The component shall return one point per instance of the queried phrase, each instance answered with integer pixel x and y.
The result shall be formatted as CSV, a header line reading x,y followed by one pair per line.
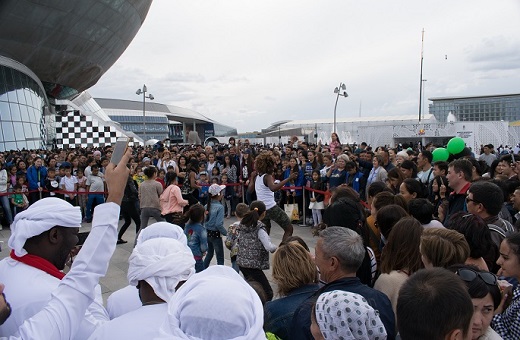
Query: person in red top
x,y
459,176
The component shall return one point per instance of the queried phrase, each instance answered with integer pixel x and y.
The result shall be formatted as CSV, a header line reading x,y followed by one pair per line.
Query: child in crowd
x,y
170,168
52,183
254,246
160,178
229,192
214,224
316,205
19,200
22,181
82,188
204,184
196,235
232,235
139,176
69,183
215,174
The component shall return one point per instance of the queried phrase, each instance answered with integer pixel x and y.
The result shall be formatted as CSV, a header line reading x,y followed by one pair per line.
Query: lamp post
x,y
338,90
422,104
149,96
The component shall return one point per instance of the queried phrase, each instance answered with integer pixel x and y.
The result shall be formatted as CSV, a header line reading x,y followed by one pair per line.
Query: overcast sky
x,y
249,63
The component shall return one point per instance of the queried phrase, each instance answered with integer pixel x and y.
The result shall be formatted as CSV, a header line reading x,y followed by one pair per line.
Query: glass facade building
x,y
22,102
162,121
156,126
477,109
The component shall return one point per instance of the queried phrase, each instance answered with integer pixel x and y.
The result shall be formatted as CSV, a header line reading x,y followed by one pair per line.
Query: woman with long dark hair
x,y
230,169
190,189
400,258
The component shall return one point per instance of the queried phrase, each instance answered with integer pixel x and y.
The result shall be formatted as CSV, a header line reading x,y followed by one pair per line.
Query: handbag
x,y
317,205
291,210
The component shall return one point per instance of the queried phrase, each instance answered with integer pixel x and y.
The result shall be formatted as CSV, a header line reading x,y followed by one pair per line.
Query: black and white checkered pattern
x,y
79,130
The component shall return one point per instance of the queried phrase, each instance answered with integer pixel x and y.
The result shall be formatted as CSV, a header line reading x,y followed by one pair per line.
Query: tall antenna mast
x,y
421,81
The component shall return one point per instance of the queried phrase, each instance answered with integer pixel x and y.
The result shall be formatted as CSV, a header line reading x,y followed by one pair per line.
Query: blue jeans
x,y
7,208
199,266
216,245
98,198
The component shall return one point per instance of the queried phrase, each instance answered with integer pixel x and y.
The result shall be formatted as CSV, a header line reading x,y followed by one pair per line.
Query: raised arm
x,y
65,312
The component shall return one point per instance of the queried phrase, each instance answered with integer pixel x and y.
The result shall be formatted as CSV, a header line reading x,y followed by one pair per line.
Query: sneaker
x,y
121,241
87,220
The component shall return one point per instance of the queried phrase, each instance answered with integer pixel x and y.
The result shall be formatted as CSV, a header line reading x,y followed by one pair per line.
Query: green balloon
x,y
440,154
456,145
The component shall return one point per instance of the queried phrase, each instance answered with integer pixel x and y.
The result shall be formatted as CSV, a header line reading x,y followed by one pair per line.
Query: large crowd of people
x,y
407,246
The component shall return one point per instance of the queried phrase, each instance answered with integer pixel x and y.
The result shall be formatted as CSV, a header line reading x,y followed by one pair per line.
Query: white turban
x,y
345,315
162,229
216,303
40,217
162,263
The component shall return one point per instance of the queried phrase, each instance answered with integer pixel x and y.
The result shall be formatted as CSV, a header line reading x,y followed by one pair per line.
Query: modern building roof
x,y
69,45
172,112
473,97
355,119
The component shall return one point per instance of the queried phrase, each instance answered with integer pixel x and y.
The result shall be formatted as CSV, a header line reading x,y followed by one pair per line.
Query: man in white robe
x,y
216,303
62,316
127,299
158,267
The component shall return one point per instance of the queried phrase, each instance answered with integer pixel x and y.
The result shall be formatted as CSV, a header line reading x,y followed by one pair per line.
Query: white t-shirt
x,y
69,183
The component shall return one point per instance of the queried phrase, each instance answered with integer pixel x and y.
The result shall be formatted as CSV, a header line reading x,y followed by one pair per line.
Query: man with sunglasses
x,y
485,199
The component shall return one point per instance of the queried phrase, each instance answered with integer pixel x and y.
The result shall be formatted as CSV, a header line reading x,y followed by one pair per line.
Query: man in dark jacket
x,y
459,176
339,253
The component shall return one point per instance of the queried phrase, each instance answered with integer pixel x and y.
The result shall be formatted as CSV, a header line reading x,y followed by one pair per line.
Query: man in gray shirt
x,y
487,156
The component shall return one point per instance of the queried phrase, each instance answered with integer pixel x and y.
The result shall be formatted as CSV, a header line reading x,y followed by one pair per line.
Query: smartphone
x,y
82,237
119,150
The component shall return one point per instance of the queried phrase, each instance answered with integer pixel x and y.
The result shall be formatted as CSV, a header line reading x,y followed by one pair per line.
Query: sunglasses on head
x,y
469,275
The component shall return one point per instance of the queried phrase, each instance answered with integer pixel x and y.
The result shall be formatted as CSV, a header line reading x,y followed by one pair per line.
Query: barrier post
x,y
304,224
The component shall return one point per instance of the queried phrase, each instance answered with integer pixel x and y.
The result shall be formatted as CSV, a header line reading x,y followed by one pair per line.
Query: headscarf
x,y
40,217
162,229
216,303
162,263
345,315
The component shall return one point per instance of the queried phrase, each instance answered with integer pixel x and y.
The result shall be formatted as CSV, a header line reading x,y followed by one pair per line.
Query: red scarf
x,y
39,263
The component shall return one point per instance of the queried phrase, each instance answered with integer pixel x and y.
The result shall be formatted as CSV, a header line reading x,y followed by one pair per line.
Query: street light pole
x,y
337,90
149,96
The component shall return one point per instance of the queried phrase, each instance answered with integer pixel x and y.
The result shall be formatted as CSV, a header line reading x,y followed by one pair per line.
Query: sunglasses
x,y
471,200
469,275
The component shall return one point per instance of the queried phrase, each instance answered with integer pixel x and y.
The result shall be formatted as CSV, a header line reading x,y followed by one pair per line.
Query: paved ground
x,y
117,270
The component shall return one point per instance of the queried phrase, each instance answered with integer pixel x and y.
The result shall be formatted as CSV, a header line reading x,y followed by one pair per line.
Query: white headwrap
x,y
162,229
216,303
162,263
40,217
345,315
